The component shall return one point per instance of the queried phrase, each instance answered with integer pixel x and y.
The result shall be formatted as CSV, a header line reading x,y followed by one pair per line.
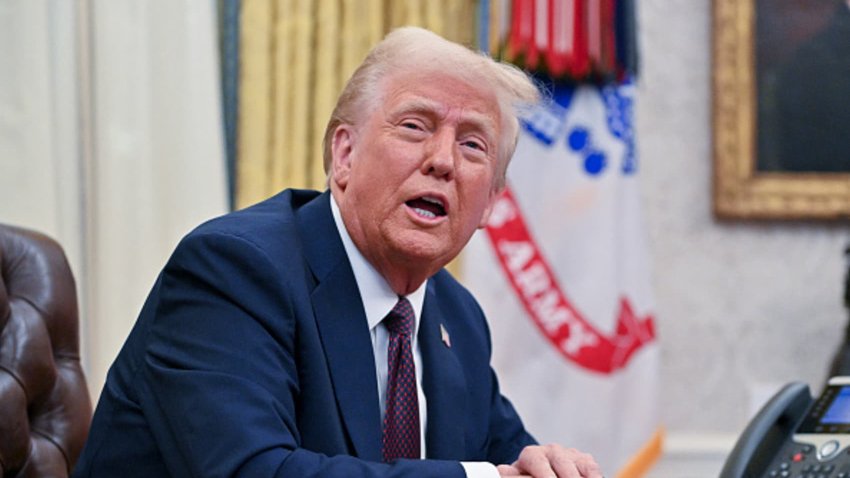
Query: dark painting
x,y
802,68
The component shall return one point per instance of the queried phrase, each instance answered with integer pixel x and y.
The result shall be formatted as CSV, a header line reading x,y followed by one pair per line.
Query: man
x,y
317,334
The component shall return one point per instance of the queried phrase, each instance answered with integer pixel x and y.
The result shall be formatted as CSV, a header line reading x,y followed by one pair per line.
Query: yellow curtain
x,y
295,56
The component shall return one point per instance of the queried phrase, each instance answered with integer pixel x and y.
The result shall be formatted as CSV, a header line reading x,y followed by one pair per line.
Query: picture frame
x,y
748,182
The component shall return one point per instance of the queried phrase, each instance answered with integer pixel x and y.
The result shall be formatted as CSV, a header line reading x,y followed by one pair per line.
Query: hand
x,y
552,461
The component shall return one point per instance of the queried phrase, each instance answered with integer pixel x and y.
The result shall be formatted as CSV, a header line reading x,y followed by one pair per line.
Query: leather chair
x,y
45,410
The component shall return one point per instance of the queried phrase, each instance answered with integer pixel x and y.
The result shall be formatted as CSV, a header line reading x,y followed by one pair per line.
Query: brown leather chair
x,y
45,408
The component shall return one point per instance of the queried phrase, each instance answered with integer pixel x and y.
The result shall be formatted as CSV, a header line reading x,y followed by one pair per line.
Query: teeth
x,y
433,201
425,213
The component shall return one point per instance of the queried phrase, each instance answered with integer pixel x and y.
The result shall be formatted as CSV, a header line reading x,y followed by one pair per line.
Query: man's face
x,y
417,175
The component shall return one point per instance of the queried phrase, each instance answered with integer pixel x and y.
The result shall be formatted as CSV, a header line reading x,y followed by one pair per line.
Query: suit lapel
x,y
343,328
443,384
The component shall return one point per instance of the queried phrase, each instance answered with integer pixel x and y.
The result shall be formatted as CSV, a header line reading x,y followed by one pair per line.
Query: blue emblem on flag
x,y
548,123
580,140
619,105
545,123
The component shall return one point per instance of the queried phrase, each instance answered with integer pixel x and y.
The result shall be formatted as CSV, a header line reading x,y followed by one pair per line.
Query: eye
x,y
413,125
474,144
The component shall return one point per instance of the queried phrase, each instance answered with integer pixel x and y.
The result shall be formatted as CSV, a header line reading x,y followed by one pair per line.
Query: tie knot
x,y
400,320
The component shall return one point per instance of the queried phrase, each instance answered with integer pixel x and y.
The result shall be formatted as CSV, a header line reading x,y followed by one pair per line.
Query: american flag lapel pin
x,y
444,335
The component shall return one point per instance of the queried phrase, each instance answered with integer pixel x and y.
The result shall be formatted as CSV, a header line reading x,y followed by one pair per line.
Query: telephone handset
x,y
794,435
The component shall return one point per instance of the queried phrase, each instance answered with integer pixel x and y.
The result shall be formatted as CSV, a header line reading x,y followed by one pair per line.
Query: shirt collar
x,y
377,296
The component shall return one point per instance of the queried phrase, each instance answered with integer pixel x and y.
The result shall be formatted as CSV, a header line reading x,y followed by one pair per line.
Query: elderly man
x,y
317,334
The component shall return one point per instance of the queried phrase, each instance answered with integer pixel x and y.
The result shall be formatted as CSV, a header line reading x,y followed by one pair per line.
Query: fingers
x,y
534,461
565,460
510,471
570,460
555,461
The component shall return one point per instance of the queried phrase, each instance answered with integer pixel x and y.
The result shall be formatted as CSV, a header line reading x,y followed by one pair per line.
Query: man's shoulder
x,y
270,228
266,219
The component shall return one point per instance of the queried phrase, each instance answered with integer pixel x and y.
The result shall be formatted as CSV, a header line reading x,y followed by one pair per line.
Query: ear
x,y
342,149
491,201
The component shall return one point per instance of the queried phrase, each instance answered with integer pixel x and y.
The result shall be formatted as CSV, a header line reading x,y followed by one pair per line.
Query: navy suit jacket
x,y
252,357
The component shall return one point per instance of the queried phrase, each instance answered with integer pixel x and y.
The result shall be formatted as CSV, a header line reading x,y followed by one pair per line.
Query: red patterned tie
x,y
401,421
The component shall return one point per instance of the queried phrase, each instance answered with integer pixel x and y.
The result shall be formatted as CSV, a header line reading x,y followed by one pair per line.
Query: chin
x,y
424,253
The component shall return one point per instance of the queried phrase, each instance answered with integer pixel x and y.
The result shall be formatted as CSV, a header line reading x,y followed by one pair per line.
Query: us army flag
x,y
563,274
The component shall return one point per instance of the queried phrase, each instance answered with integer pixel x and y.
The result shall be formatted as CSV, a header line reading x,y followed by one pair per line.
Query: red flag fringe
x,y
592,41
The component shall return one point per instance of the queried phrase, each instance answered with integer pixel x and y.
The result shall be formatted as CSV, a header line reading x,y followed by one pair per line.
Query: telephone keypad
x,y
797,460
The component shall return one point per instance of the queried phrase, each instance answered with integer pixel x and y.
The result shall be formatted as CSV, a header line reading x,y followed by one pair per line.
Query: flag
x,y
588,41
562,271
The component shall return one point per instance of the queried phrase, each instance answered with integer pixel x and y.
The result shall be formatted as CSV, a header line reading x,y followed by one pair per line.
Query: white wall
x,y
741,307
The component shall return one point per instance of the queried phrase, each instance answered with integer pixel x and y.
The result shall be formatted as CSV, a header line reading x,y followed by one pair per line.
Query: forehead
x,y
442,94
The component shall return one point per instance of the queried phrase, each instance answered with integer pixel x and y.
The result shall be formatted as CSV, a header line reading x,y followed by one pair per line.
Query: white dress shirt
x,y
378,300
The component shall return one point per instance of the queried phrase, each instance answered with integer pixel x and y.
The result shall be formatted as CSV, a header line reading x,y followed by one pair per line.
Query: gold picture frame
x,y
741,191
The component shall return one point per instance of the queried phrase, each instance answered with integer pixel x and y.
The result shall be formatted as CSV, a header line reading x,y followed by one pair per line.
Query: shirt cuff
x,y
479,469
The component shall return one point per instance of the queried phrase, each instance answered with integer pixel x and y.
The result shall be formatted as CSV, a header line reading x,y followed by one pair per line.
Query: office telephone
x,y
796,436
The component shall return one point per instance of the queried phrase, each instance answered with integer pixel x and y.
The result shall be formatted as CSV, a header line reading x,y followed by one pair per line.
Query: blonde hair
x,y
411,49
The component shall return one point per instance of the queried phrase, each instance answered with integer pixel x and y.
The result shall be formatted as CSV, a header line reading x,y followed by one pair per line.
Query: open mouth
x,y
427,207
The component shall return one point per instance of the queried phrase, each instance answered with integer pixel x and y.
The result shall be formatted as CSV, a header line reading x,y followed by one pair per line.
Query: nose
x,y
440,155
